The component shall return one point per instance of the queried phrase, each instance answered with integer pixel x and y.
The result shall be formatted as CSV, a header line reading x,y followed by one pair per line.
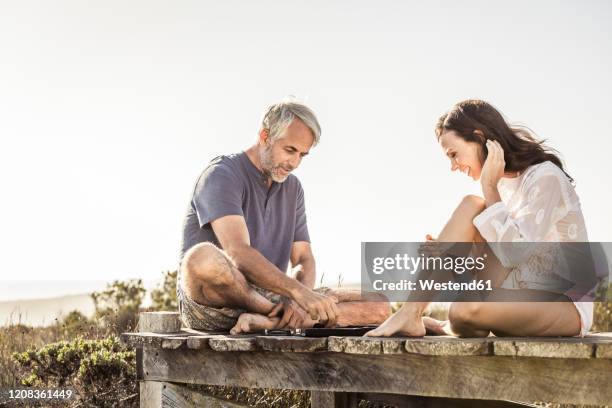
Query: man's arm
x,y
303,259
233,235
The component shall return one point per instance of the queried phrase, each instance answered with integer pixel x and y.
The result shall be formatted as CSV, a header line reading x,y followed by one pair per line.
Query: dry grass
x,y
17,337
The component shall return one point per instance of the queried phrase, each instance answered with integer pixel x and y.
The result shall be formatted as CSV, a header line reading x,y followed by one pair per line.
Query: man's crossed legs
x,y
214,295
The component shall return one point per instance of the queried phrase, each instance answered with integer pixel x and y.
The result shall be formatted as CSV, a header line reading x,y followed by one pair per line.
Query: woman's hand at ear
x,y
492,172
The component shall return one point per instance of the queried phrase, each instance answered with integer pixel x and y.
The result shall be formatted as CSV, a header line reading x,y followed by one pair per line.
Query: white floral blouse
x,y
540,205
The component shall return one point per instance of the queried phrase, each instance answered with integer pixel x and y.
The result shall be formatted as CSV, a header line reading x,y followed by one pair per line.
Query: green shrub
x,y
76,324
102,372
117,307
602,315
164,296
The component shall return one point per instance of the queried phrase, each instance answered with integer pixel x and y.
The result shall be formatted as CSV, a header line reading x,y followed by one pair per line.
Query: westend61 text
x,y
429,284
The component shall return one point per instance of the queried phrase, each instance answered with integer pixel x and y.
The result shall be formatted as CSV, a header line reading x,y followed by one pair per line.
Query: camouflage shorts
x,y
201,317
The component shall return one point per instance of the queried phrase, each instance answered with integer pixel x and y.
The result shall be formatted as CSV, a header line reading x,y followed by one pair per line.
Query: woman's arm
x,y
542,206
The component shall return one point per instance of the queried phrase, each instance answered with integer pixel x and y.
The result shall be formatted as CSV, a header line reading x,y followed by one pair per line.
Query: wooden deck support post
x,y
155,322
330,399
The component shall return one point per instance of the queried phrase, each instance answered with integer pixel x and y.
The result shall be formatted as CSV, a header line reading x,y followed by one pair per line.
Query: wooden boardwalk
x,y
421,372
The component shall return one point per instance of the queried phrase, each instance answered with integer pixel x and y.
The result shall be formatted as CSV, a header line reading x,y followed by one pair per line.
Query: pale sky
x,y
111,109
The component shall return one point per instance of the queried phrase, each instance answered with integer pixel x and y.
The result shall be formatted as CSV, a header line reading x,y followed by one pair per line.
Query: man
x,y
245,223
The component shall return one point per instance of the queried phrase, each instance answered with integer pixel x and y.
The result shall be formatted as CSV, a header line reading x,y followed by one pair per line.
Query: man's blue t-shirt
x,y
232,185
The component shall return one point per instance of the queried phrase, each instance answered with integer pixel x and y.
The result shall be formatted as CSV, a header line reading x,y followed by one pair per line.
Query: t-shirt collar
x,y
255,172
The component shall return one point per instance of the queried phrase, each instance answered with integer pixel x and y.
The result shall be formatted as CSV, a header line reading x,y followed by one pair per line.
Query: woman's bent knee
x,y
464,313
473,204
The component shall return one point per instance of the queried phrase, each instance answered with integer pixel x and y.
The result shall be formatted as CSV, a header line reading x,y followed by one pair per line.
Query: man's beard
x,y
268,167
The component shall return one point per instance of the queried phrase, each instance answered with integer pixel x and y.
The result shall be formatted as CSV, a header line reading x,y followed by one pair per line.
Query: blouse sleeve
x,y
543,205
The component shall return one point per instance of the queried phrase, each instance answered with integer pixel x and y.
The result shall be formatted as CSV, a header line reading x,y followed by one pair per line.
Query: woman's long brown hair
x,y
477,121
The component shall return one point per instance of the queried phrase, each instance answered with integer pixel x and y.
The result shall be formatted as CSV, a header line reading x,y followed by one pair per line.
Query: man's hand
x,y
294,317
319,307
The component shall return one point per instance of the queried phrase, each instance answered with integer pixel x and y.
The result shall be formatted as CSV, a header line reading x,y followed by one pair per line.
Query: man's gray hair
x,y
280,115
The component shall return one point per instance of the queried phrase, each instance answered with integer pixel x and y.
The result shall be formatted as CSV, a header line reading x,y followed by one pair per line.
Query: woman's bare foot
x,y
252,322
407,321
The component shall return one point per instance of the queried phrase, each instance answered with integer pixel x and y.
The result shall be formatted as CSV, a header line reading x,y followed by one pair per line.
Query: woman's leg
x,y
477,319
460,227
469,319
408,319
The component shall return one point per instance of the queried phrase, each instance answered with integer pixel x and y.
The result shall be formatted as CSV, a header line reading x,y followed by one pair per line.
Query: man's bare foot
x,y
252,322
407,321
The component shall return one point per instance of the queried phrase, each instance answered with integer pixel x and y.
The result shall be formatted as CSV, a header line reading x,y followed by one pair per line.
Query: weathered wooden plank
x,y
168,395
159,322
425,345
150,394
322,399
177,396
174,342
542,348
355,345
195,332
393,345
232,343
603,343
504,348
436,402
574,380
327,399
599,335
336,344
448,346
366,345
135,340
603,350
198,342
292,343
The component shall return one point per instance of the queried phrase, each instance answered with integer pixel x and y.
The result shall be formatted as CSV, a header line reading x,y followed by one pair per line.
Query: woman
x,y
528,197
